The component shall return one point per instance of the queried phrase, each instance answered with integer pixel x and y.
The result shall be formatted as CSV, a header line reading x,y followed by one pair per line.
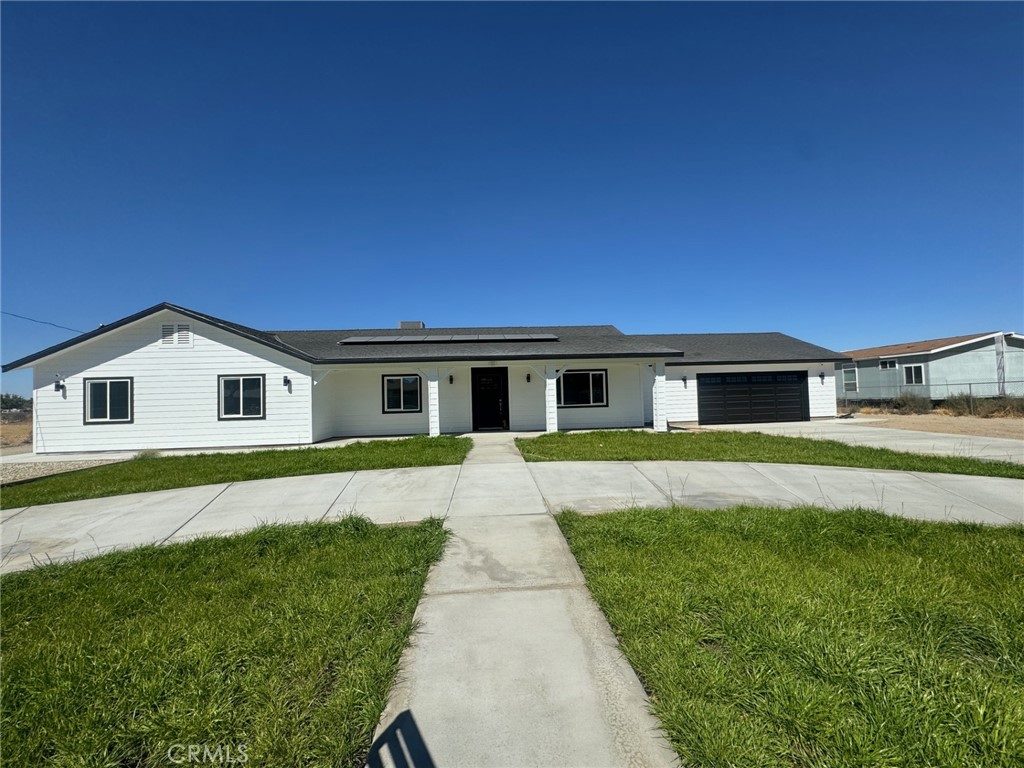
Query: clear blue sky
x,y
850,174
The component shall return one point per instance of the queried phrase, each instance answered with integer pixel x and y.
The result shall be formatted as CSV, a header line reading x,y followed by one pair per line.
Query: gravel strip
x,y
13,473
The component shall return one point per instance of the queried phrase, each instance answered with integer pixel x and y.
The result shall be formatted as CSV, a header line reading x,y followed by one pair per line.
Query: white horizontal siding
x,y
821,396
454,399
354,401
647,390
625,402
682,395
526,400
175,391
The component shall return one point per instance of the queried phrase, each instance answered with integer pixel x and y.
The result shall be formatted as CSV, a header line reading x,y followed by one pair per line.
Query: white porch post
x,y
433,403
658,398
550,399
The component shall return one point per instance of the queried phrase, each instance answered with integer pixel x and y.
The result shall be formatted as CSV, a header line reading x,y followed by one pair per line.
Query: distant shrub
x,y
962,404
959,404
999,407
149,453
908,402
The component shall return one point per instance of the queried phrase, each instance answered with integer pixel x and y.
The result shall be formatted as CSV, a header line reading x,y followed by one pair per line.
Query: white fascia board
x,y
964,343
87,342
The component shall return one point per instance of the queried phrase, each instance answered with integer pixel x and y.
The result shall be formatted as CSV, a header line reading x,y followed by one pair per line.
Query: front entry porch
x,y
475,396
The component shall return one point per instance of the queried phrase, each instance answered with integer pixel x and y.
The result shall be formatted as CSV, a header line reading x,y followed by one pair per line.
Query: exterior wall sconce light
x,y
451,378
58,384
527,378
287,381
821,376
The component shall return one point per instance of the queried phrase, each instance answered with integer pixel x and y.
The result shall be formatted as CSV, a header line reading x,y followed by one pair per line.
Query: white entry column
x,y
433,403
550,399
658,399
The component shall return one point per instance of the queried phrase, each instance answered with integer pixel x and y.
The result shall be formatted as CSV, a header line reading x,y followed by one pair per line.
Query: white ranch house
x,y
170,377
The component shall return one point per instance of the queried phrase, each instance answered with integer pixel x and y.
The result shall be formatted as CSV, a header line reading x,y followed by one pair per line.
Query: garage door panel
x,y
752,397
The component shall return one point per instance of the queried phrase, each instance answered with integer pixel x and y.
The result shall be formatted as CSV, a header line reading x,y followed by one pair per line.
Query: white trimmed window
x,y
401,394
913,374
108,401
583,389
175,335
242,397
849,377
887,365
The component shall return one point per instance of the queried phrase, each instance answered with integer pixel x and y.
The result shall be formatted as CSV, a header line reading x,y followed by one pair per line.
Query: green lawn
x,y
629,445
160,473
285,640
806,637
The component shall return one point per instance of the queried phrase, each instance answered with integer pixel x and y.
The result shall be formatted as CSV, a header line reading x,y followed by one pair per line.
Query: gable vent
x,y
179,335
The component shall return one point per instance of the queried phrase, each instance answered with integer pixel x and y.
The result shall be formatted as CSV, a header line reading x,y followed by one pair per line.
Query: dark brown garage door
x,y
747,398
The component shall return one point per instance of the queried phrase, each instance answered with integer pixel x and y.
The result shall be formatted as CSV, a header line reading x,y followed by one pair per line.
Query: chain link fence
x,y
972,390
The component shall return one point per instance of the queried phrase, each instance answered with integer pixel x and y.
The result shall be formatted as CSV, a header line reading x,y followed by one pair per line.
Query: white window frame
x,y
856,377
602,372
240,378
89,419
908,370
887,365
401,390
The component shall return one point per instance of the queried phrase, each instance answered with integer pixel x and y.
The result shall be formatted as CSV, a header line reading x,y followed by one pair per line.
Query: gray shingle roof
x,y
719,348
572,341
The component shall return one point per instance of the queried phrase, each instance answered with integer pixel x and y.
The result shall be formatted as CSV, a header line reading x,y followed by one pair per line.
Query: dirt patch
x,y
951,425
15,433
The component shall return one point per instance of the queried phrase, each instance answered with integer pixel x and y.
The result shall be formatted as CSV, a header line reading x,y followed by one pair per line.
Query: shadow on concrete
x,y
400,745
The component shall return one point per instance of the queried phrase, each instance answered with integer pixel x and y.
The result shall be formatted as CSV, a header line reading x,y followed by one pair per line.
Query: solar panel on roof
x,y
455,338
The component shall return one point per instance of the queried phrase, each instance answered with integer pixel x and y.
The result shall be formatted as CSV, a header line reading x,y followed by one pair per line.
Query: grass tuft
x,y
631,445
285,640
792,637
151,472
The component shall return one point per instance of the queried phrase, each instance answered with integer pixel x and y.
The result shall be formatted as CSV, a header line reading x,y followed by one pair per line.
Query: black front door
x,y
490,398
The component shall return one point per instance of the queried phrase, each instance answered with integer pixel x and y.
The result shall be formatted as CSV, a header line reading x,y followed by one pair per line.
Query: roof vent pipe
x,y
411,325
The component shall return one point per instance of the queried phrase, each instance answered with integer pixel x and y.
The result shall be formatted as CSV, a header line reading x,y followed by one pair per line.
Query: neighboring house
x,y
170,377
981,364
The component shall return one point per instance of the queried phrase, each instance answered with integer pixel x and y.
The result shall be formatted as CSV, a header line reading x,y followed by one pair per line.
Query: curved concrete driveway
x,y
512,663
82,528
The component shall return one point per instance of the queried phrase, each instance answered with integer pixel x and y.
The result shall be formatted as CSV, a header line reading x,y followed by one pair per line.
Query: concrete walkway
x,y
513,663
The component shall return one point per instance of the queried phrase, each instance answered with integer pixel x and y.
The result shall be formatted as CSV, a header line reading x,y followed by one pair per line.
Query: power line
x,y
41,322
